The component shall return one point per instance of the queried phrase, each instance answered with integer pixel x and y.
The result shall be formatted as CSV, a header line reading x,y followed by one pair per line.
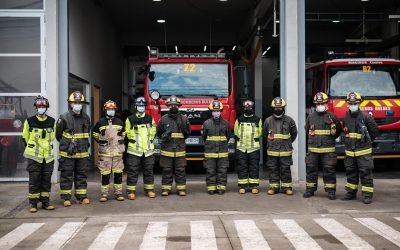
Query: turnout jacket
x,y
360,131
38,136
280,133
109,132
322,129
248,130
216,133
173,131
72,131
140,132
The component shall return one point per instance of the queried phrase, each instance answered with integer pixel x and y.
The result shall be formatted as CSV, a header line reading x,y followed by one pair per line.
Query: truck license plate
x,y
192,141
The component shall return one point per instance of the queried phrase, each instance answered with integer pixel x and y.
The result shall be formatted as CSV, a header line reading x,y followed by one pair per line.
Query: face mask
x,y
353,108
321,108
279,112
216,114
248,111
140,109
174,110
41,111
110,112
77,108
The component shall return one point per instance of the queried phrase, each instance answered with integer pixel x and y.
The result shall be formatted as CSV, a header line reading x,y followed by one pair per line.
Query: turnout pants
x,y
280,176
108,166
73,171
216,173
173,167
133,165
360,167
248,169
39,180
328,162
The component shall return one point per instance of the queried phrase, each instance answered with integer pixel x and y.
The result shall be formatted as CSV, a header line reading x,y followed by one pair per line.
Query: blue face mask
x,y
41,111
110,112
77,108
353,108
141,109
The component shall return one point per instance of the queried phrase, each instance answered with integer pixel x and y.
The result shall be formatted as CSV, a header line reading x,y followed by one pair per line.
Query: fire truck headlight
x,y
155,95
17,123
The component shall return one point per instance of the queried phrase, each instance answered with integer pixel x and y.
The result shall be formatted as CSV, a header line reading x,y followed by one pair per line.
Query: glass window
x,y
19,35
190,79
14,111
20,75
21,4
12,162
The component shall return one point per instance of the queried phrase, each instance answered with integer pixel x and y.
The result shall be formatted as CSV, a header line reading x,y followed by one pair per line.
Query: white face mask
x,y
41,111
353,108
110,112
321,108
77,108
141,109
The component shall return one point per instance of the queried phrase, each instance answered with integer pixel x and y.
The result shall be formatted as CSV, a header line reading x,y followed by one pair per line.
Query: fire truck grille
x,y
196,117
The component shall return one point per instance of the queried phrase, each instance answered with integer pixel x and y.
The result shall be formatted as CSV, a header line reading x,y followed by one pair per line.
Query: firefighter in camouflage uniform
x,y
360,131
280,131
109,133
322,128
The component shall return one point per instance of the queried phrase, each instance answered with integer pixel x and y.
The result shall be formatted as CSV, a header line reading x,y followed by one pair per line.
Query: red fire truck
x,y
376,79
197,79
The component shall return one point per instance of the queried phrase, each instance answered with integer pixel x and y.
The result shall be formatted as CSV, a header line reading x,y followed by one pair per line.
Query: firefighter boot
x,y
349,196
131,196
331,195
151,194
182,193
367,199
211,192
84,201
289,192
33,208
103,198
164,192
254,190
308,194
47,206
271,191
242,191
119,197
221,192
67,203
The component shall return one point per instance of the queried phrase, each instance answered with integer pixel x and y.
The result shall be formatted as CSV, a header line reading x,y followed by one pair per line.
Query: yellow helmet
x,y
110,105
353,98
215,106
76,97
173,100
278,102
321,98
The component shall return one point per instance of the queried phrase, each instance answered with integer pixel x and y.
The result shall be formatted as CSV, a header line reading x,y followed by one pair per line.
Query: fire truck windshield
x,y
190,79
368,80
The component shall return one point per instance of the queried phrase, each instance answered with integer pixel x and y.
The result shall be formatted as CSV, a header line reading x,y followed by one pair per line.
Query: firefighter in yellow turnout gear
x,y
248,130
141,130
72,131
38,136
109,132
216,133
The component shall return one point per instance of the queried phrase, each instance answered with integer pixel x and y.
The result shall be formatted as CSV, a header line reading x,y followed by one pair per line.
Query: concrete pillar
x,y
292,42
258,90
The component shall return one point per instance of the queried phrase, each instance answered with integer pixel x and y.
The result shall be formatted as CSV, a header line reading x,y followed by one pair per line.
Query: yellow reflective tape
x,y
211,188
364,103
166,187
367,189
76,136
340,104
311,184
130,188
216,155
108,126
286,184
329,185
80,191
216,138
279,154
359,152
243,181
96,134
117,185
351,186
387,103
45,194
105,186
254,181
376,103
322,150
148,186
221,187
181,187
355,136
117,171
180,154
322,132
173,154
397,102
77,155
281,136
177,135
274,185
34,196
105,172
65,191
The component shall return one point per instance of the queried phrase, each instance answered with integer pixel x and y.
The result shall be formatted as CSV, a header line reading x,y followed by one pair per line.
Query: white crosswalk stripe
x,y
250,236
343,234
62,236
296,235
155,237
203,235
397,218
382,229
109,237
14,237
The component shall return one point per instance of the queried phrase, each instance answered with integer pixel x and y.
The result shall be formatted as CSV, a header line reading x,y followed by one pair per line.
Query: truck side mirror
x,y
152,75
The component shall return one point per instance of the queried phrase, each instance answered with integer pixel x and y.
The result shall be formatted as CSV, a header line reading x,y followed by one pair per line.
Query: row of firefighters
x,y
135,137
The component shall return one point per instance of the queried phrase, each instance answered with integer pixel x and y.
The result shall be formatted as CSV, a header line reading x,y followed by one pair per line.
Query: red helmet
x,y
41,102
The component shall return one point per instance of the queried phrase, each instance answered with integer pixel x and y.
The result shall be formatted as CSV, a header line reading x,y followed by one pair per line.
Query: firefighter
x,y
281,131
216,133
141,130
109,133
72,131
38,136
173,128
322,128
360,131
248,130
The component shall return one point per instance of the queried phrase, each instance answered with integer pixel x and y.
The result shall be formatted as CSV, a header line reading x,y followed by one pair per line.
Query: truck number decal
x,y
366,68
189,68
